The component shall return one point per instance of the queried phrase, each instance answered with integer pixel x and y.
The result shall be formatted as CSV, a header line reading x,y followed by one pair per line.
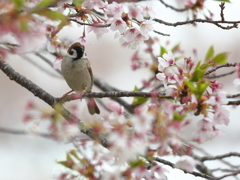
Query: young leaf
x,y
136,163
201,87
221,58
54,16
198,73
44,4
18,3
175,48
178,117
210,53
138,100
163,51
223,0
190,86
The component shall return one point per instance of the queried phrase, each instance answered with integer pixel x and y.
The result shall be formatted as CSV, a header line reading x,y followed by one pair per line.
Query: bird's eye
x,y
70,52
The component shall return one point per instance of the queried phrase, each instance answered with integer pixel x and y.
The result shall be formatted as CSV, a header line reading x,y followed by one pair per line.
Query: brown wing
x,y
91,74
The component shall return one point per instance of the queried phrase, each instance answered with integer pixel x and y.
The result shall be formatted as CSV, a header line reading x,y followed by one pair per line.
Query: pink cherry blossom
x,y
221,116
148,11
219,99
146,27
131,34
118,24
98,31
236,83
84,40
115,9
205,131
165,61
139,39
186,163
90,4
161,76
135,12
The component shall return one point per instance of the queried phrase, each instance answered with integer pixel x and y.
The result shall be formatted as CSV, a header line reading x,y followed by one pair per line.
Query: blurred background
x,y
28,157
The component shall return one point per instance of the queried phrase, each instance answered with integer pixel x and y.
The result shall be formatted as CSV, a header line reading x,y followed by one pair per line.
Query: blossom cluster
x,y
188,86
131,22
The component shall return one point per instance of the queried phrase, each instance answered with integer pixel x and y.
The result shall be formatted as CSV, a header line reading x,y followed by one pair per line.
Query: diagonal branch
x,y
50,100
221,66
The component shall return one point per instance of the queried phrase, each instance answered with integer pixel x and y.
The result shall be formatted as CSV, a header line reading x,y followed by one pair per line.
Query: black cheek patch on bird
x,y
80,52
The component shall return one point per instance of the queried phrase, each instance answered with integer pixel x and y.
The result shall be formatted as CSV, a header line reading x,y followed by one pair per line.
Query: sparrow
x,y
77,72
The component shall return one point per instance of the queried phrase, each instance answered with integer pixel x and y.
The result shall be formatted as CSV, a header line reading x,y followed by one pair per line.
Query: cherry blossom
x,y
131,34
135,12
146,27
221,116
219,99
186,163
161,76
236,83
115,9
98,31
140,38
118,24
148,11
165,61
91,4
205,131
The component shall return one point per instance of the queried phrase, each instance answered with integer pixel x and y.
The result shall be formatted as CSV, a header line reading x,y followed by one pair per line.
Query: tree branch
x,y
175,9
234,24
221,66
116,94
221,75
197,174
49,99
210,158
22,132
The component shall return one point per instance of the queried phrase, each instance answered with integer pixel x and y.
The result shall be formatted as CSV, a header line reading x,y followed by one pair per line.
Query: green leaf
x,y
54,16
18,3
44,4
23,25
210,53
138,100
136,163
163,51
178,117
64,163
201,87
221,58
190,86
223,1
198,73
175,48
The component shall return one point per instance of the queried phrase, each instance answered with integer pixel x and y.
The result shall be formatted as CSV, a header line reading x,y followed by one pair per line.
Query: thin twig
x,y
222,6
233,96
22,132
234,24
88,24
210,158
39,67
221,66
221,75
175,9
197,174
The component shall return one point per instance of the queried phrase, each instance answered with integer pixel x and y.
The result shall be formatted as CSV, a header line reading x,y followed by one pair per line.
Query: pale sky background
x,y
30,157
